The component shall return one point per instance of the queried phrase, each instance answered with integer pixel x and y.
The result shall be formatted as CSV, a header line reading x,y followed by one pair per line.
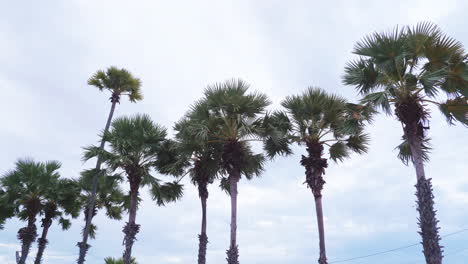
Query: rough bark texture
x,y
42,241
315,168
83,245
131,228
202,245
27,235
413,115
428,222
203,238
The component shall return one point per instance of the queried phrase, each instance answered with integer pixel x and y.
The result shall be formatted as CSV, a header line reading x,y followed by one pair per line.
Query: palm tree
x,y
61,200
135,145
408,69
202,159
109,195
228,115
6,209
118,82
318,120
110,260
26,187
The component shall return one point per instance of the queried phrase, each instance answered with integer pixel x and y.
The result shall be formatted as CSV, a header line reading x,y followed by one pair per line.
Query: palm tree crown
x,y
409,68
136,144
26,188
119,82
318,118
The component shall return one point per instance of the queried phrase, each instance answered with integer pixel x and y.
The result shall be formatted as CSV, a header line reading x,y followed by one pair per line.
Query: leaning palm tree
x,y
118,82
110,260
320,121
135,146
201,159
109,195
26,187
408,69
62,199
228,115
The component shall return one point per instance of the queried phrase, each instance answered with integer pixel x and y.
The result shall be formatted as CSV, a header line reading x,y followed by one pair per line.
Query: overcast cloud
x,y
48,49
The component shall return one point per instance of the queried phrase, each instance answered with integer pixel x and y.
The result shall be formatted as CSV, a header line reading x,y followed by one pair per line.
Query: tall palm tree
x,y
26,187
320,121
110,260
228,115
201,159
118,82
62,199
135,146
109,195
407,69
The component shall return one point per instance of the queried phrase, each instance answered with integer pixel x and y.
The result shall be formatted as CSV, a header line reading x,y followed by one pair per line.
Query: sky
x,y
48,50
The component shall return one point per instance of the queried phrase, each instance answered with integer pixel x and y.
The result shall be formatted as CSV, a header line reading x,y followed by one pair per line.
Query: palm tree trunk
x,y
321,229
315,168
233,252
27,235
42,241
427,214
83,245
131,229
203,238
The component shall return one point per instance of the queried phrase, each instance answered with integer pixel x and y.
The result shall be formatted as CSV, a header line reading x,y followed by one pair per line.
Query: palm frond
x,y
338,151
404,151
168,192
378,99
455,109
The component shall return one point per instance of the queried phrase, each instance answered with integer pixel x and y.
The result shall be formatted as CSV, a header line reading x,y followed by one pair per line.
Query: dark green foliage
x,y
136,143
35,188
109,195
411,66
110,260
316,117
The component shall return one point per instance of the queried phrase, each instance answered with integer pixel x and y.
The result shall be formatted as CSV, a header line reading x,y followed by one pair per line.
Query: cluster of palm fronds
x,y
401,71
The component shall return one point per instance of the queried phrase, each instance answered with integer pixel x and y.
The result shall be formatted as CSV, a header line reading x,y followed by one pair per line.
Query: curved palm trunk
x,y
427,214
131,228
233,252
203,238
27,235
83,245
42,241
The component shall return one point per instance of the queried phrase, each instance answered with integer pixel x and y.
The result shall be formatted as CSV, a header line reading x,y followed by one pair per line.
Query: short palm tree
x,y
135,146
62,199
110,260
26,187
6,208
118,82
320,121
109,195
408,69
201,159
231,117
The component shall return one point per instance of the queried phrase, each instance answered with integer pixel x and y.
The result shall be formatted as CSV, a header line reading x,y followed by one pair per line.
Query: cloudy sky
x,y
48,49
